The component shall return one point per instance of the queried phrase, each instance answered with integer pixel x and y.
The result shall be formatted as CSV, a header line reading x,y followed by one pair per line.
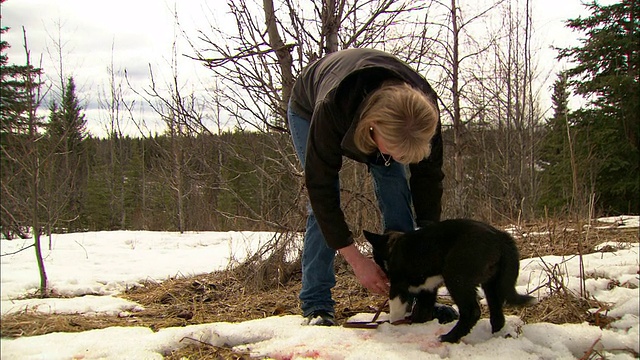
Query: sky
x,y
134,35
98,35
93,268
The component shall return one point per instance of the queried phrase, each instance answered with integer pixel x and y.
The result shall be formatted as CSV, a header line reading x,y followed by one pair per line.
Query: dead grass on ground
x,y
259,289
562,238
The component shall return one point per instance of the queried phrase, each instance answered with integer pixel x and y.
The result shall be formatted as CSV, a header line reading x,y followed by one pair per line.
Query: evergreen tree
x,y
14,94
607,75
19,91
67,134
555,151
67,120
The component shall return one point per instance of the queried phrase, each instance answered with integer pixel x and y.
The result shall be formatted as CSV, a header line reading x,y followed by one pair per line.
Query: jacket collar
x,y
348,144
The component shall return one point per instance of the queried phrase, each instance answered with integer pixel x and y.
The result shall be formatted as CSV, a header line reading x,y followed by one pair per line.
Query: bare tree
x,y
256,63
66,177
451,46
183,165
112,100
22,153
513,105
179,113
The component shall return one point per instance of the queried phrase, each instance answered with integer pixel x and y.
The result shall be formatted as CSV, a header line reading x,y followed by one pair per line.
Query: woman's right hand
x,y
368,273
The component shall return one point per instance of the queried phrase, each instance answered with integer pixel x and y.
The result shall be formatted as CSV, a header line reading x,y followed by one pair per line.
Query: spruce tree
x,y
606,74
14,94
555,151
19,87
67,134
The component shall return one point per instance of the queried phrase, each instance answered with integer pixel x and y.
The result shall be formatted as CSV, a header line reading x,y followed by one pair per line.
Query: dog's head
x,y
382,245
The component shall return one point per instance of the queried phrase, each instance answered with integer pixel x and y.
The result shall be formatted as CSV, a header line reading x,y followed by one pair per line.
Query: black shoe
x,y
321,318
445,313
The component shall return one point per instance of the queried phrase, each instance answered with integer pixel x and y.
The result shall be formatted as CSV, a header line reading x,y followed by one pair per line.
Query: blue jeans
x,y
394,200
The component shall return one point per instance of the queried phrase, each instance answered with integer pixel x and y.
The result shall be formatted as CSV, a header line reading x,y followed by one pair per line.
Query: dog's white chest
x,y
430,284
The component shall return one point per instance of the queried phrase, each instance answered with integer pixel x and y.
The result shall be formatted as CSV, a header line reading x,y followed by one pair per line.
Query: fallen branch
x,y
589,352
15,252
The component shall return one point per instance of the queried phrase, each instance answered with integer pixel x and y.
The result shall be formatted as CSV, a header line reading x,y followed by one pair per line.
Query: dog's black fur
x,y
464,254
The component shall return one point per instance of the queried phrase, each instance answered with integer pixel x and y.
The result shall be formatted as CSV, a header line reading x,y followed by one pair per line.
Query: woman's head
x,y
400,121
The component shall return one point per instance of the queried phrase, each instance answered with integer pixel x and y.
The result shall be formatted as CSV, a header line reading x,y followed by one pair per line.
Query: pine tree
x,y
555,151
68,121
67,134
607,75
14,95
19,89
608,62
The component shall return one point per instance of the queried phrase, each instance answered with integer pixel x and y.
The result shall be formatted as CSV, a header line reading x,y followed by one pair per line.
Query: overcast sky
x,y
141,33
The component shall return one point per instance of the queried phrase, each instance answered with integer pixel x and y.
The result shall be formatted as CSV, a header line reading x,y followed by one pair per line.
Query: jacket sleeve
x,y
322,167
426,183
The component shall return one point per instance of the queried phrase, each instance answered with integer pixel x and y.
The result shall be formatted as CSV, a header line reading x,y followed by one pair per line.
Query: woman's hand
x,y
368,273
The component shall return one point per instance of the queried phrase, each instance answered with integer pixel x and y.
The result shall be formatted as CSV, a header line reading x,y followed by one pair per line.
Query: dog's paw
x,y
449,338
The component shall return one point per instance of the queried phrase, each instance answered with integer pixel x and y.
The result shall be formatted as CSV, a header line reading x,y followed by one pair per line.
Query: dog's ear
x,y
374,239
368,235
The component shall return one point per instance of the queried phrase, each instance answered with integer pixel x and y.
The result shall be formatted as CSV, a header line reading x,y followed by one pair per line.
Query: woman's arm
x,y
367,271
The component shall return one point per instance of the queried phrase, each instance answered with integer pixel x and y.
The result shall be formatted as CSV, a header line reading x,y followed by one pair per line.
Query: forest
x,y
506,158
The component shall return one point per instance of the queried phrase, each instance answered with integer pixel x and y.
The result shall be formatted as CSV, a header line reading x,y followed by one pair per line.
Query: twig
x,y
86,254
587,354
198,341
15,252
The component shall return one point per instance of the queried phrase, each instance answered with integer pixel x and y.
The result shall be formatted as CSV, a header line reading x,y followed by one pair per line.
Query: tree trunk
x,y
458,127
285,60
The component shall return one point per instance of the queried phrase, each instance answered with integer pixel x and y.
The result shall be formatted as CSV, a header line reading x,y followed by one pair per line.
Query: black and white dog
x,y
462,254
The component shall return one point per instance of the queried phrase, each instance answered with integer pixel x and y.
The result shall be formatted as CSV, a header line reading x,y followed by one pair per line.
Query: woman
x,y
371,107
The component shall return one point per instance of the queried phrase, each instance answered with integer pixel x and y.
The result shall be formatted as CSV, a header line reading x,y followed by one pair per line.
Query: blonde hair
x,y
404,117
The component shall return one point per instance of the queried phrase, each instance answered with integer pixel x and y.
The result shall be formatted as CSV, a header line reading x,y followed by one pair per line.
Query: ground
x,y
254,290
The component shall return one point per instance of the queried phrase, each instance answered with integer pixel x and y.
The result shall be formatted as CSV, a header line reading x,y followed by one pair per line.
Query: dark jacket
x,y
329,93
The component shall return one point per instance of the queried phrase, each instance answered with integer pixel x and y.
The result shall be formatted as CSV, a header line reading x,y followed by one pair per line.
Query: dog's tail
x,y
510,268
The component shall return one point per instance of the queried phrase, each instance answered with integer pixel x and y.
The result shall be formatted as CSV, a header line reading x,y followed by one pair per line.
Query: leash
x,y
373,324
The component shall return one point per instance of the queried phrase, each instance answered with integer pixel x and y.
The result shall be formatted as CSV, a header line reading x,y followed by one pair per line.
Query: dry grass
x,y
255,290
561,238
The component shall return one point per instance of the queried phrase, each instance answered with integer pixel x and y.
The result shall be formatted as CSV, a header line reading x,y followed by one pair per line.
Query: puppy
x,y
462,254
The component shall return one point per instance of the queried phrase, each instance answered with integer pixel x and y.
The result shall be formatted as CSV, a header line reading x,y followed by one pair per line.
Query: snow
x,y
91,269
